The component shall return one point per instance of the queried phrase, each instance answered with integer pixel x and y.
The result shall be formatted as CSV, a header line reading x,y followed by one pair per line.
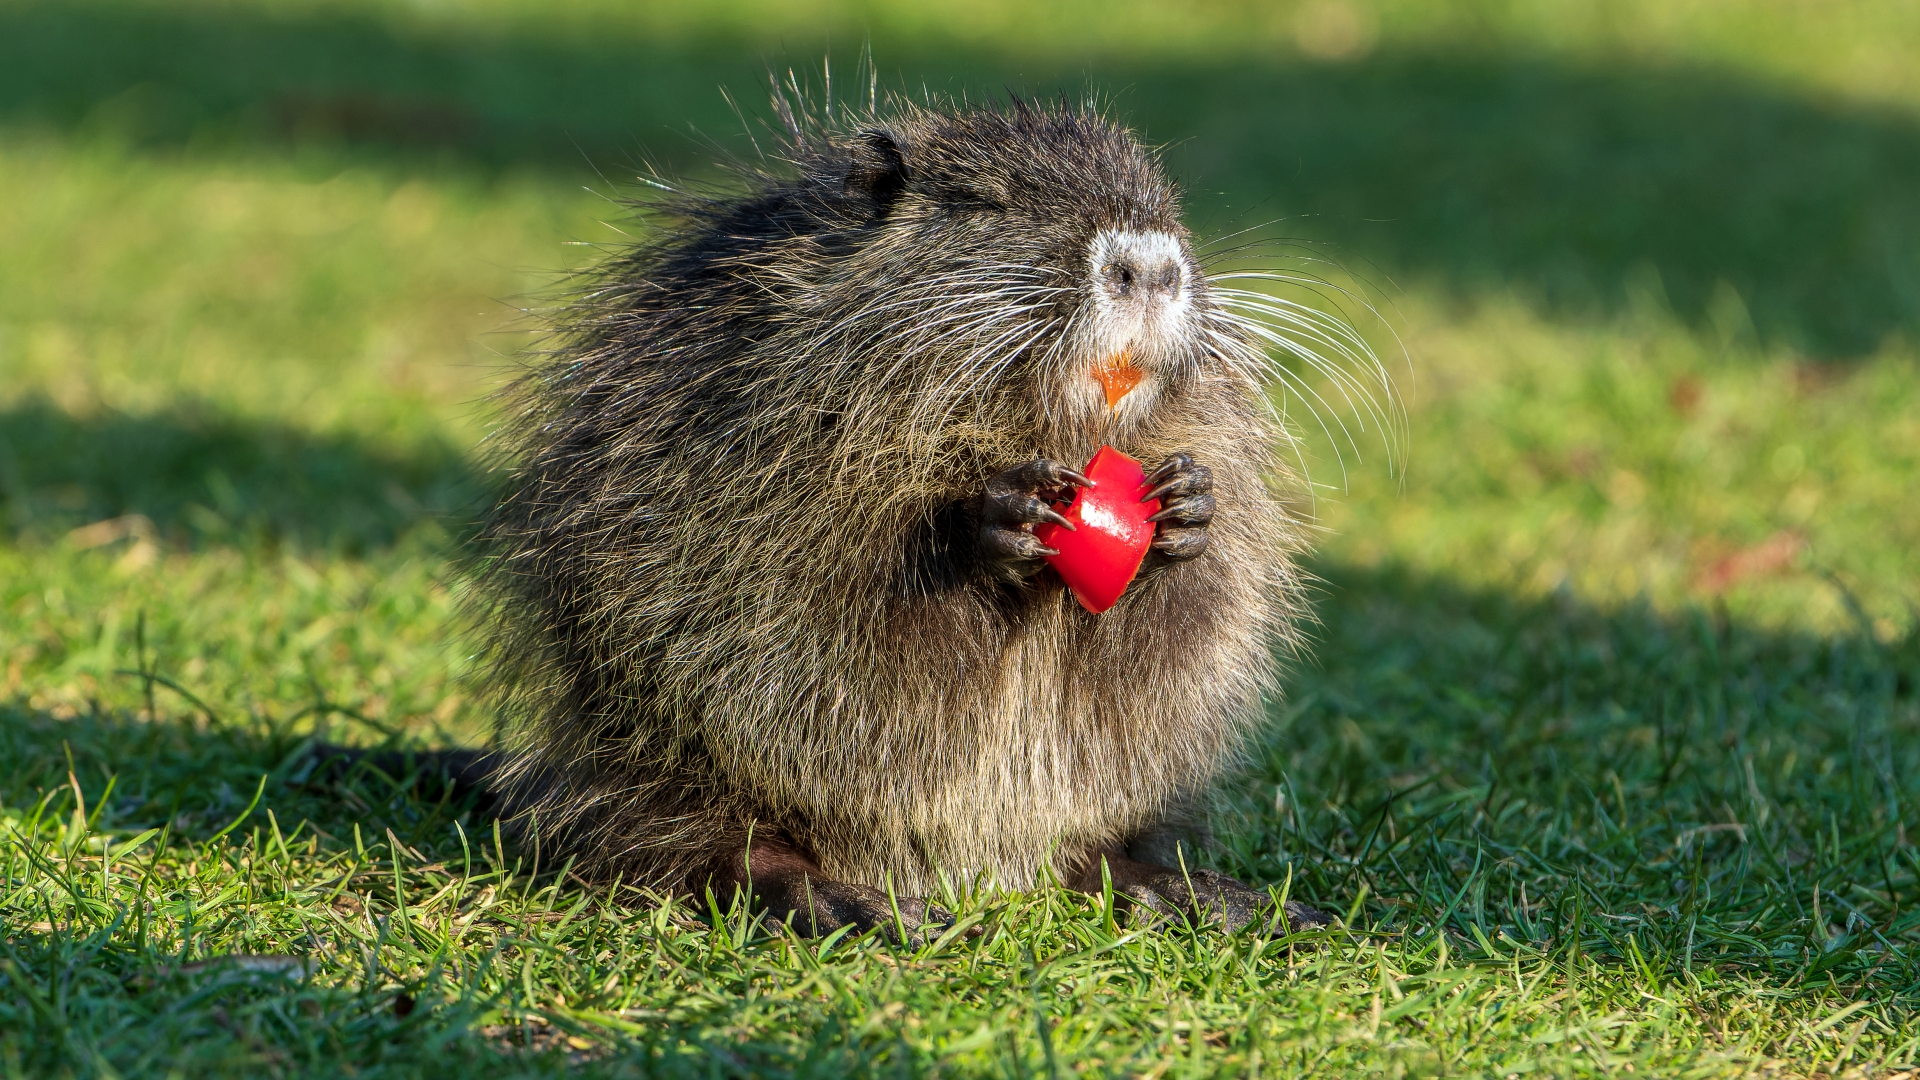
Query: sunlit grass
x,y
1646,460
1609,739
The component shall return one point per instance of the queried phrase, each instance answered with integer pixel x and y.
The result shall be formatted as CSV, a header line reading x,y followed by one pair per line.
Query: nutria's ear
x,y
879,169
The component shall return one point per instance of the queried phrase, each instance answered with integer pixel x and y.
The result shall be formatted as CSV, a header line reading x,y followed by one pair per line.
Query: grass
x,y
1609,740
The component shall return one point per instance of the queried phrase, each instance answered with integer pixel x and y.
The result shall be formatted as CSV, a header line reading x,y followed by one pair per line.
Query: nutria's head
x,y
1049,248
1017,263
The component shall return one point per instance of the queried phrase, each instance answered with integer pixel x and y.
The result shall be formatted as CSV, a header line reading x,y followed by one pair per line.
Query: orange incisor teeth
x,y
1118,377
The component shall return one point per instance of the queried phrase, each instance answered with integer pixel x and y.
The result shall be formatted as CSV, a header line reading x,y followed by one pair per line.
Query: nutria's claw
x,y
1012,545
1179,476
1175,463
1040,476
1044,475
1179,545
1048,513
1192,510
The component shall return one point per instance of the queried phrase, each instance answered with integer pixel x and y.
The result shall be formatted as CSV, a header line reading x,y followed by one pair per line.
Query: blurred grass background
x,y
1649,275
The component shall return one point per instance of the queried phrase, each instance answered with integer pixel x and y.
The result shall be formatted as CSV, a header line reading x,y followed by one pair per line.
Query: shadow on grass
x,y
1539,775
197,479
1542,778
197,950
214,992
1589,191
197,778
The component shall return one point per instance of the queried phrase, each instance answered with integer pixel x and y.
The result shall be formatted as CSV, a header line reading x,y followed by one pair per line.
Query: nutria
x,y
768,611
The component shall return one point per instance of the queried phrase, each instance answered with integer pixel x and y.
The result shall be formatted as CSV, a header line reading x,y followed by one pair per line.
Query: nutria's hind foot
x,y
1213,898
1154,894
787,885
827,905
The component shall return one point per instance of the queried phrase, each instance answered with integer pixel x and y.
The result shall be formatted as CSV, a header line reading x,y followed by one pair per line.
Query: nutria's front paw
x,y
1185,491
1213,898
1014,502
826,906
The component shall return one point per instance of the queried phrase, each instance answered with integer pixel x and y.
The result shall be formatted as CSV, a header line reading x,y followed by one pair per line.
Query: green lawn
x,y
1609,745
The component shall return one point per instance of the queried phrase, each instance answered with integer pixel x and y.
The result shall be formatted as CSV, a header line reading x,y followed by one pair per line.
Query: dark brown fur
x,y
738,585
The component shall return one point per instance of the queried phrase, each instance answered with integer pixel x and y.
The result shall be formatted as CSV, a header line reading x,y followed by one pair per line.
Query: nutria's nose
x,y
1140,267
